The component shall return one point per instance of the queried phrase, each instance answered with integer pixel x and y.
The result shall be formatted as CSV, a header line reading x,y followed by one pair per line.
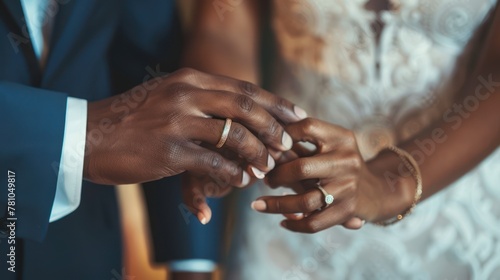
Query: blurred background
x,y
136,235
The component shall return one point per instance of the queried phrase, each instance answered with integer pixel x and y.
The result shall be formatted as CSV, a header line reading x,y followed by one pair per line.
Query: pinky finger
x,y
224,172
204,214
194,198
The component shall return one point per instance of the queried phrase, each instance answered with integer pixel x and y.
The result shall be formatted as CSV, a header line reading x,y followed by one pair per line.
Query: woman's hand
x,y
360,191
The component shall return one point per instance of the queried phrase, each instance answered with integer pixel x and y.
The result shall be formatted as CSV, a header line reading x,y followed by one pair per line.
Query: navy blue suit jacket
x,y
97,48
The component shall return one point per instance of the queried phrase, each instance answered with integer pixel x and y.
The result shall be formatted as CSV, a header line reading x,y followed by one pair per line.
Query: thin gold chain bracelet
x,y
412,166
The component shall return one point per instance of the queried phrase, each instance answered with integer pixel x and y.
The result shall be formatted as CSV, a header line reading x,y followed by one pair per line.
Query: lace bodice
x,y
386,88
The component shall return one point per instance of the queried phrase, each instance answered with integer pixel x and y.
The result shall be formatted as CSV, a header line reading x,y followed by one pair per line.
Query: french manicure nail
x,y
270,162
204,221
287,141
245,179
301,113
258,205
259,174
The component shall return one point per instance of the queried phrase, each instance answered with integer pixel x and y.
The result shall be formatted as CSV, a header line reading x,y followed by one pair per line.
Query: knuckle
x,y
220,179
312,226
226,178
307,203
274,129
178,86
186,73
234,169
245,103
350,139
198,200
173,157
309,126
179,92
355,161
214,161
255,153
273,132
248,88
239,134
171,120
280,104
303,169
261,153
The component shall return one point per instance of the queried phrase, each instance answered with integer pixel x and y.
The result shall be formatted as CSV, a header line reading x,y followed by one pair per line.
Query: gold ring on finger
x,y
225,133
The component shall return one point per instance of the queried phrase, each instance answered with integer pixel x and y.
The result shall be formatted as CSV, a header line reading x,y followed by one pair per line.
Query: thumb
x,y
354,223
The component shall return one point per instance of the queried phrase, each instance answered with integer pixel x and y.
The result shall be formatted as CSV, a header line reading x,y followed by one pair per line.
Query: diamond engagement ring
x,y
328,197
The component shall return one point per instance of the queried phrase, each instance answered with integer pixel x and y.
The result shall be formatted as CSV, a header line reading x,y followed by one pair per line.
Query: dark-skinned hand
x,y
339,168
164,126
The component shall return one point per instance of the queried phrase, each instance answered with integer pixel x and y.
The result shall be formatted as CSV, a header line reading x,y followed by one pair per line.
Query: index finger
x,y
282,109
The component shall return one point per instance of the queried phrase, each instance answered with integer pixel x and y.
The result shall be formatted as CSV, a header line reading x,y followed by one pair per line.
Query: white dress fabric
x,y
386,90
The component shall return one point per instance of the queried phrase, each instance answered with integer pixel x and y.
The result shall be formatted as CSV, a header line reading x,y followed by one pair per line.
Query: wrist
x,y
98,123
395,185
88,146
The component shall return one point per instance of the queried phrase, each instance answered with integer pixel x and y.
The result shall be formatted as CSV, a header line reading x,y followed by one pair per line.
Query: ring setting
x,y
327,197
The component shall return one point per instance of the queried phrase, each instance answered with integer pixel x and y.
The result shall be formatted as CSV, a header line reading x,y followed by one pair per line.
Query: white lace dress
x,y
386,90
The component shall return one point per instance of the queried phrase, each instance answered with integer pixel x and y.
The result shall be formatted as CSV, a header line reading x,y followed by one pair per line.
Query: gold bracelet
x,y
412,166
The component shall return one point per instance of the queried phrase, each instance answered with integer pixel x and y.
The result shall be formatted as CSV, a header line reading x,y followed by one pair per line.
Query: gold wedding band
x,y
225,133
328,197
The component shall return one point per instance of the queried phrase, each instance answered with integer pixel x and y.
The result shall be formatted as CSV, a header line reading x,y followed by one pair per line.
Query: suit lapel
x,y
16,11
12,14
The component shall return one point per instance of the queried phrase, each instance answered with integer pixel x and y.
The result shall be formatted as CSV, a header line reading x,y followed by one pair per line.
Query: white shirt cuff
x,y
193,265
69,178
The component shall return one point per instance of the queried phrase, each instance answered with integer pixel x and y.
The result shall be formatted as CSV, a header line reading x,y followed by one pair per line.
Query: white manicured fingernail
x,y
287,141
259,174
259,205
299,215
270,162
203,220
245,179
301,113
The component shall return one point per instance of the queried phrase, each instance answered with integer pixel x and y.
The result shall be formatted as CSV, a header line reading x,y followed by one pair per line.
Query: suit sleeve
x,y
176,233
31,138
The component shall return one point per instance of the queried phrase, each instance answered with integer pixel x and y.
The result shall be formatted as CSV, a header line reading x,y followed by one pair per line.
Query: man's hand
x,y
155,129
196,189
